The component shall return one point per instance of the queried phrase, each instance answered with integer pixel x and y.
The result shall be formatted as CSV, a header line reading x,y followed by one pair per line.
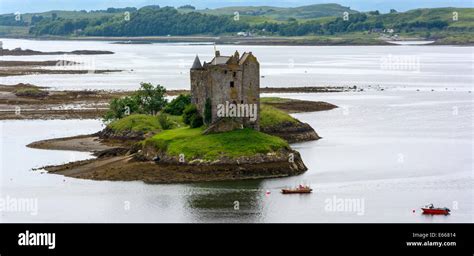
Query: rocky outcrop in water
x,y
125,168
126,135
292,132
24,52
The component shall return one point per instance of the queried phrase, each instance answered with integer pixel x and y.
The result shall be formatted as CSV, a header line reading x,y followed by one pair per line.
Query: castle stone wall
x,y
230,82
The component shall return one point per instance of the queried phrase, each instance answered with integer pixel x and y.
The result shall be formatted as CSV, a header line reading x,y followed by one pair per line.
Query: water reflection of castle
x,y
227,202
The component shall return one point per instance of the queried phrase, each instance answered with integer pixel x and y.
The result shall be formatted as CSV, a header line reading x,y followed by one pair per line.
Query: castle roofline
x,y
197,63
245,57
219,60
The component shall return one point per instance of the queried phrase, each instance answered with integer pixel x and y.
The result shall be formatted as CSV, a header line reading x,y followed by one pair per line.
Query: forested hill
x,y
280,13
325,19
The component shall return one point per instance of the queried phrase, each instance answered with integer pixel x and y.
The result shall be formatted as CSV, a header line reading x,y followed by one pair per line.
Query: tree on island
x,y
149,99
192,117
178,104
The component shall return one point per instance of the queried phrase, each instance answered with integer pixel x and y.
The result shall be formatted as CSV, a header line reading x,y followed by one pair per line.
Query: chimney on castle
x,y
237,55
218,53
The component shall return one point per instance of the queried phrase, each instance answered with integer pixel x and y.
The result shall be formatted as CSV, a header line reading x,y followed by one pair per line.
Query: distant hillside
x,y
281,14
465,17
446,25
26,17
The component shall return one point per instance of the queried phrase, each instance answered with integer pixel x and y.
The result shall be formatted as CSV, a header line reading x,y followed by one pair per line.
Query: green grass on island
x,y
142,123
270,116
193,144
136,123
264,100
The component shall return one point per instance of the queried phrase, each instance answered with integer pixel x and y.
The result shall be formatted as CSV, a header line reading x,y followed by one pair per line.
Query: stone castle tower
x,y
228,81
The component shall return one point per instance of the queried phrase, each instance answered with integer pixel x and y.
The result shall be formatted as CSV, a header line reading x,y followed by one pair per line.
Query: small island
x,y
222,130
27,52
21,68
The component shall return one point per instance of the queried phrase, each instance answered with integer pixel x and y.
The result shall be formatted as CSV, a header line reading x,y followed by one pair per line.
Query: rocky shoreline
x,y
117,162
231,40
28,52
291,132
239,40
51,104
127,169
38,71
22,68
121,157
310,89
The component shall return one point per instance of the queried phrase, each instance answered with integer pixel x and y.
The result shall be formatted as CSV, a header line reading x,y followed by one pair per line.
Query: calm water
x,y
423,67
390,151
396,151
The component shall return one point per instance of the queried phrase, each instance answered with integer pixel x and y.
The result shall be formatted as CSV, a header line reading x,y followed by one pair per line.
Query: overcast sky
x,y
25,6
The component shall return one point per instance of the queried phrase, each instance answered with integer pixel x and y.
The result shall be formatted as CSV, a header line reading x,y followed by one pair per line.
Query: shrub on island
x,y
192,117
149,99
136,123
165,122
178,104
31,93
137,127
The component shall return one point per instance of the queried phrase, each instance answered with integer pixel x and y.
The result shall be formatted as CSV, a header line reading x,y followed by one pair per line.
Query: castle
x,y
230,87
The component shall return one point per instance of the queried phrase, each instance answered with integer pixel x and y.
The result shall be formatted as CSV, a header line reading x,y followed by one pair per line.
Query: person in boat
x,y
431,206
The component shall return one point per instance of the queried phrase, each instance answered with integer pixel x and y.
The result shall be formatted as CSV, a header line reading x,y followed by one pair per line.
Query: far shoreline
x,y
232,40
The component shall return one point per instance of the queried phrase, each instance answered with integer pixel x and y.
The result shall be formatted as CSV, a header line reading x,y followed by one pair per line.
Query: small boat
x,y
430,209
298,190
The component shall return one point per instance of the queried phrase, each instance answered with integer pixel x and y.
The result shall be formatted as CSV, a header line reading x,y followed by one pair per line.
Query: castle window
x,y
225,72
231,83
241,102
234,74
